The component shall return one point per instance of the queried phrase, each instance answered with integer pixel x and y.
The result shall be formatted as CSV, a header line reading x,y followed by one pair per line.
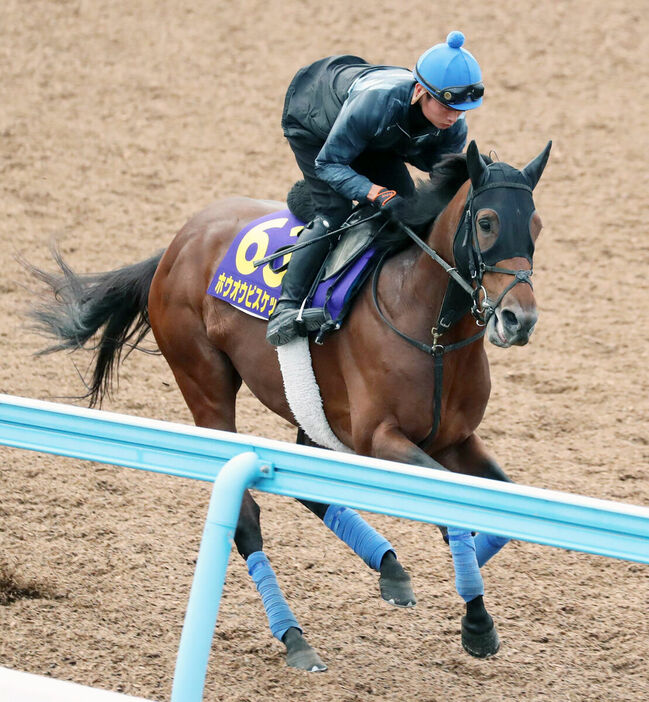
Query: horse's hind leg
x,y
282,622
209,383
374,549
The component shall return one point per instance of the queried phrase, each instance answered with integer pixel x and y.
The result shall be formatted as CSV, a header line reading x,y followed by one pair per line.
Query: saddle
x,y
255,290
347,265
346,268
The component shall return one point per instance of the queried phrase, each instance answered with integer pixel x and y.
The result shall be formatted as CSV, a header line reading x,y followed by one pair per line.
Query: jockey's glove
x,y
386,201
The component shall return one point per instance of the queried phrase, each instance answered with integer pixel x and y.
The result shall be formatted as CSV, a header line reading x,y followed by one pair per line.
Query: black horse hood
x,y
508,192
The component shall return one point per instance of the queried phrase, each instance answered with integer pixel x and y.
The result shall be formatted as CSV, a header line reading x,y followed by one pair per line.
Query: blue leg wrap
x,y
468,580
280,617
351,528
488,545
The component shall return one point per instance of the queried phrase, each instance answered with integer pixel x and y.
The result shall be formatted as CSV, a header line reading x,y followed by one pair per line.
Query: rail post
x,y
236,475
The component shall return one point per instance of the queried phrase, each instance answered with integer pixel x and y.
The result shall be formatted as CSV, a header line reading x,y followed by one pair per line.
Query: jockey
x,y
352,128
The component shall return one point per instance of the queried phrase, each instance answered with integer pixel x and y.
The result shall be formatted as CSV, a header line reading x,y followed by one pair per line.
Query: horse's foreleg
x,y
479,636
366,542
471,458
488,545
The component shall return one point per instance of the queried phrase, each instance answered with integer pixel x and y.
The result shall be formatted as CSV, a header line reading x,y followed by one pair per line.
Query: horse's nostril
x,y
510,320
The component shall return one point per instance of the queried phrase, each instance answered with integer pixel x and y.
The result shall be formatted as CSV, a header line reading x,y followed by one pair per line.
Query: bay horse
x,y
385,392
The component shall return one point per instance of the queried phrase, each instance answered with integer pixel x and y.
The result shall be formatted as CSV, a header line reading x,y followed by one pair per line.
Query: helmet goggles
x,y
457,95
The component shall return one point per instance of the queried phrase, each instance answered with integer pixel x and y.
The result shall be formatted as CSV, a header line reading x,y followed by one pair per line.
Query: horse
x,y
459,269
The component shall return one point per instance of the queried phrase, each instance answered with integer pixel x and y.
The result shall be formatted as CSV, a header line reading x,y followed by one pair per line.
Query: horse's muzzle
x,y
511,326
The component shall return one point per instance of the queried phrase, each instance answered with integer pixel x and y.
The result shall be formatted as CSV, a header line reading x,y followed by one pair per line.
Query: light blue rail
x,y
235,462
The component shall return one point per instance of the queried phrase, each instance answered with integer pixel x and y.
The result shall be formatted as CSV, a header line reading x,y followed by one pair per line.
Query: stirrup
x,y
281,327
310,318
286,326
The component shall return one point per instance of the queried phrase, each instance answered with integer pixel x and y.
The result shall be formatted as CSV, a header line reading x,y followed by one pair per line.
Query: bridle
x,y
483,311
468,276
471,282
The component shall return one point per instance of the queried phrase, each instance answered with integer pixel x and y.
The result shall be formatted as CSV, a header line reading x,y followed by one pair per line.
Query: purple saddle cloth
x,y
256,290
335,294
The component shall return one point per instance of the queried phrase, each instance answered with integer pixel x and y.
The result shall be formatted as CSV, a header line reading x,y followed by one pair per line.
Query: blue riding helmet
x,y
451,74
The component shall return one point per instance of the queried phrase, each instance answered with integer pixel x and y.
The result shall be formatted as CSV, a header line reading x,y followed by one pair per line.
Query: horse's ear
x,y
534,168
475,164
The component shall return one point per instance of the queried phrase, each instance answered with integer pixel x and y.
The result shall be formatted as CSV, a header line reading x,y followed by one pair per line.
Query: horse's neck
x,y
428,280
442,233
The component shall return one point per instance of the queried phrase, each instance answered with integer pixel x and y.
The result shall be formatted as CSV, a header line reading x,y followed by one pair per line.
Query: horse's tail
x,y
112,305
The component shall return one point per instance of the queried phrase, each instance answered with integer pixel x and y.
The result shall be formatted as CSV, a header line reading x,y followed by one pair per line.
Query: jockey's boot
x,y
283,325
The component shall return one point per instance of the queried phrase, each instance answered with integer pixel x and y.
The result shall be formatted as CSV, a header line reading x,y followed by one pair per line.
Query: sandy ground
x,y
119,120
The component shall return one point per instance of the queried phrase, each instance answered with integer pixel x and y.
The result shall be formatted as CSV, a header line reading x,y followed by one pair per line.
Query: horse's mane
x,y
432,195
420,209
429,200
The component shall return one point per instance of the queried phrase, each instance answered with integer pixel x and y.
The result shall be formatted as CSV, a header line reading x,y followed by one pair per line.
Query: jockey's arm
x,y
355,126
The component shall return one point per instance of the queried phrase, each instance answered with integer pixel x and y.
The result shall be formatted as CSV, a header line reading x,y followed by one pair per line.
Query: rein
x,y
284,250
481,312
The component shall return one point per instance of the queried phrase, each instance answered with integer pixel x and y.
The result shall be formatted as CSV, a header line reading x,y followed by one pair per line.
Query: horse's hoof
x,y
305,659
483,645
299,653
397,591
394,582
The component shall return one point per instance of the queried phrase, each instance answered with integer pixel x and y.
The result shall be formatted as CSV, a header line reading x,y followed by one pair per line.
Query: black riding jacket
x,y
355,107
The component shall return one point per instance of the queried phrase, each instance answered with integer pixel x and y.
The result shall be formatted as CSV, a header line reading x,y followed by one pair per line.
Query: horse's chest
x,y
465,393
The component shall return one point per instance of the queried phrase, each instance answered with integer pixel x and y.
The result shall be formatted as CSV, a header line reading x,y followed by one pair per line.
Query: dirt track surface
x,y
118,121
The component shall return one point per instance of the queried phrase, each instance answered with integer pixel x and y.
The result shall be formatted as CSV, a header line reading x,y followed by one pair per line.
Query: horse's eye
x,y
485,224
